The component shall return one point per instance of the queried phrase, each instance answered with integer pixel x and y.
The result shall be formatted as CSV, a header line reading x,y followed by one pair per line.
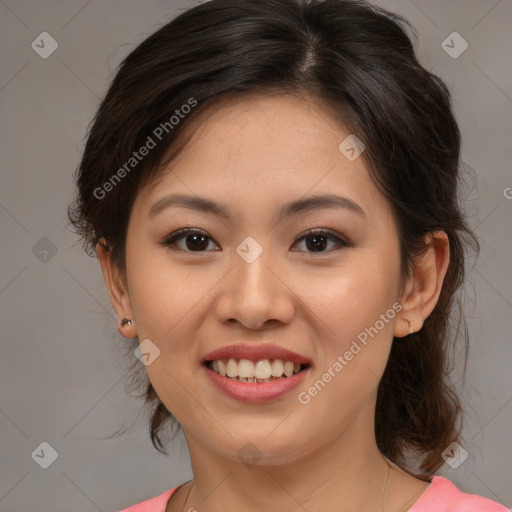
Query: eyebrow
x,y
300,206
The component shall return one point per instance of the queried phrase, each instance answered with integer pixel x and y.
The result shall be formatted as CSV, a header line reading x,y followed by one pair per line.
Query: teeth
x,y
288,368
232,368
277,368
246,369
263,370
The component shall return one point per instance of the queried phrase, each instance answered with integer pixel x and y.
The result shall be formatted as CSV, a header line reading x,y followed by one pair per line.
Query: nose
x,y
255,294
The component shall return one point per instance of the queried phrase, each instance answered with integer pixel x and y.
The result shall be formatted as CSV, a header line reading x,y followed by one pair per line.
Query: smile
x,y
263,370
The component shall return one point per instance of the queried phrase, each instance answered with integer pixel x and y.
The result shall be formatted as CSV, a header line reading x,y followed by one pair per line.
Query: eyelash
x,y
182,233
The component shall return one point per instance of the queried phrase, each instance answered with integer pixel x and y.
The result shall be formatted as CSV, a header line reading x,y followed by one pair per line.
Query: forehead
x,y
262,149
281,128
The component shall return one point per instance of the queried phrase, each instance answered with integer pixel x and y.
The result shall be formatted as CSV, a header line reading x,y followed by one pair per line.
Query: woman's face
x,y
253,278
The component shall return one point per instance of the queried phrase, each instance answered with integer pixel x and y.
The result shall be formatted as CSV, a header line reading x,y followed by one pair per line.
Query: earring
x,y
125,328
410,328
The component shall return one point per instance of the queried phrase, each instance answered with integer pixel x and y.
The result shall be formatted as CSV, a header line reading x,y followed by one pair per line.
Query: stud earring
x,y
410,328
125,328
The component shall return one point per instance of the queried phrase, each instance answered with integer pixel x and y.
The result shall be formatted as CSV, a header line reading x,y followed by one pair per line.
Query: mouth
x,y
255,371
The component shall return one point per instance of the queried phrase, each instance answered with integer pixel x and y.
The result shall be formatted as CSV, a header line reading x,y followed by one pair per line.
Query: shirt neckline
x,y
422,495
419,501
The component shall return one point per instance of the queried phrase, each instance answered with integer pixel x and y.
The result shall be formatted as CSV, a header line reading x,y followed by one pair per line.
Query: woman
x,y
271,190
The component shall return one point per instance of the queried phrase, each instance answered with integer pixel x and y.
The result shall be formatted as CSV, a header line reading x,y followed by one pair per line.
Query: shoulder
x,y
443,496
156,504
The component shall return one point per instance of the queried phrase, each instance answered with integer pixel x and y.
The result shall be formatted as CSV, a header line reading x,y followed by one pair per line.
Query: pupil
x,y
197,244
316,244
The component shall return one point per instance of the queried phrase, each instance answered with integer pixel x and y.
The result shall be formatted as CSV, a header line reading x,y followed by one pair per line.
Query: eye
x,y
198,241
317,240
195,240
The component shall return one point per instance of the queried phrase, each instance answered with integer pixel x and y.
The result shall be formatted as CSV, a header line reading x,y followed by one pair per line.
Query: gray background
x,y
62,380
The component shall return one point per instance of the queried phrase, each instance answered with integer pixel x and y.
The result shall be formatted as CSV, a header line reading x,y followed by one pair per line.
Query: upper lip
x,y
255,353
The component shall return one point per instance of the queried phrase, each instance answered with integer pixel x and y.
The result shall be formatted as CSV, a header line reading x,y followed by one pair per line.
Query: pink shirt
x,y
440,496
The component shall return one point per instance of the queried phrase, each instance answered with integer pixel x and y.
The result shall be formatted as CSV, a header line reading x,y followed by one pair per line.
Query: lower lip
x,y
255,392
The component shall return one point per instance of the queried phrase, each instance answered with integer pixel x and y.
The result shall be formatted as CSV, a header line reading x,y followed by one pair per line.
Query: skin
x,y
254,155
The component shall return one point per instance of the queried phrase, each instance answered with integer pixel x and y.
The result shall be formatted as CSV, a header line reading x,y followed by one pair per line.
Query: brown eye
x,y
194,240
317,241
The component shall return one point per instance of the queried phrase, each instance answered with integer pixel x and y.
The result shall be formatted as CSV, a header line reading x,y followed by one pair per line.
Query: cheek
x,y
352,297
163,294
363,313
359,310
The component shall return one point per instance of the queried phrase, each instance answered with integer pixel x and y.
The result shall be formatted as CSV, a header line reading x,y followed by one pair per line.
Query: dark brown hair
x,y
359,60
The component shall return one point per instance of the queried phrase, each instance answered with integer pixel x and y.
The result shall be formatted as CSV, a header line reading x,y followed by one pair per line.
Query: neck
x,y
349,472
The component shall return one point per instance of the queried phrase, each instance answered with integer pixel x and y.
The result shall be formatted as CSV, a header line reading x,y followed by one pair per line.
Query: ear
x,y
117,290
424,286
